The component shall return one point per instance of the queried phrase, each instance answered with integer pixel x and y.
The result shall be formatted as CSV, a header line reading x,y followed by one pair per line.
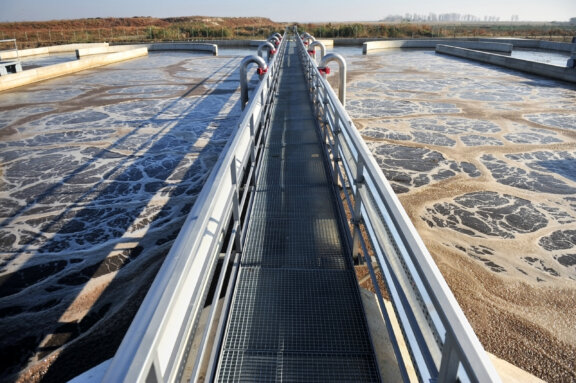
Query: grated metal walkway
x,y
296,314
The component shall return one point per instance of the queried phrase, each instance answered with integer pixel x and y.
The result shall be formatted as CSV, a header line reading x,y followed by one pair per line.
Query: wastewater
x,y
100,169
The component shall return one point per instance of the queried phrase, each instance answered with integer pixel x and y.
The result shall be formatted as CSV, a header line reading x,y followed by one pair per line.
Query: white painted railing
x,y
441,342
157,344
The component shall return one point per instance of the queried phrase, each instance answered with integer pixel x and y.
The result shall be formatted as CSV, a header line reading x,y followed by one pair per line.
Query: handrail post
x,y
336,152
236,203
357,213
450,361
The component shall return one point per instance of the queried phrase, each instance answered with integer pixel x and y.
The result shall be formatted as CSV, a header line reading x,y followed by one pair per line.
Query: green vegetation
x,y
149,29
546,31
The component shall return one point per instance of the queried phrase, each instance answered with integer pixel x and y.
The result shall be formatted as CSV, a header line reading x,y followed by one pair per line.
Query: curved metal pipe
x,y
312,49
274,40
262,68
277,35
270,48
342,68
307,38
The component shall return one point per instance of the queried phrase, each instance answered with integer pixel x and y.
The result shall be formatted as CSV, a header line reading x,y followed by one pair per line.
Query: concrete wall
x,y
327,43
47,50
212,48
417,43
541,69
184,46
44,73
82,52
531,44
9,67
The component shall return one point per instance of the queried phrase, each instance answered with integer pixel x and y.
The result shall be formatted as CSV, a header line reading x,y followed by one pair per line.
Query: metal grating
x,y
304,311
296,314
287,152
293,243
260,366
303,132
281,173
293,201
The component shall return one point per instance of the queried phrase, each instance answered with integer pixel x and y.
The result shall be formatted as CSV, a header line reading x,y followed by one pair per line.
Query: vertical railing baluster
x,y
336,153
357,213
450,361
236,204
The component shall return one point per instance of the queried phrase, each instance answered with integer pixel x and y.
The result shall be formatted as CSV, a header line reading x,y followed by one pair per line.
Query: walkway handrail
x,y
442,345
156,345
15,49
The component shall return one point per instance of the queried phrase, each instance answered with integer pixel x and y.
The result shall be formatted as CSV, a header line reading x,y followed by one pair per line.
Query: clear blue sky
x,y
291,10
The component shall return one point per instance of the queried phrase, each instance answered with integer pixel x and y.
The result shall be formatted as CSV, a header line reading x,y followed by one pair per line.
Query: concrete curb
x,y
48,50
541,69
44,73
184,46
478,45
202,47
531,44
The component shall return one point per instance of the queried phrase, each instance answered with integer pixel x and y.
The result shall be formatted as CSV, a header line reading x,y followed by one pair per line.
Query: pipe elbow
x,y
333,57
274,40
253,59
342,67
319,44
266,45
262,69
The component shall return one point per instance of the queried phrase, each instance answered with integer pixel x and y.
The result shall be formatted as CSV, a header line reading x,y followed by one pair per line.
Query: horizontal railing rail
x,y
441,343
157,344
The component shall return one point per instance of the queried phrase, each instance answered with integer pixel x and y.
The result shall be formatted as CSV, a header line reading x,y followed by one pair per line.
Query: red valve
x,y
305,42
272,52
311,52
325,70
277,43
261,71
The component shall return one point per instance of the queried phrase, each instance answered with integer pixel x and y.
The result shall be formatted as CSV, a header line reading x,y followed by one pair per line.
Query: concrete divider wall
x,y
327,43
480,45
48,50
546,70
555,46
532,44
44,73
213,48
184,46
82,52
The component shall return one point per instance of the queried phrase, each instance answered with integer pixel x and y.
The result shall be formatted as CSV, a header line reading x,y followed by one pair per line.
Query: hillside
x,y
41,33
137,29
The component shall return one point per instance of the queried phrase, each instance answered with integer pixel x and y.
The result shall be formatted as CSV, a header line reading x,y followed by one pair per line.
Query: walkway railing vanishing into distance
x,y
441,342
203,263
